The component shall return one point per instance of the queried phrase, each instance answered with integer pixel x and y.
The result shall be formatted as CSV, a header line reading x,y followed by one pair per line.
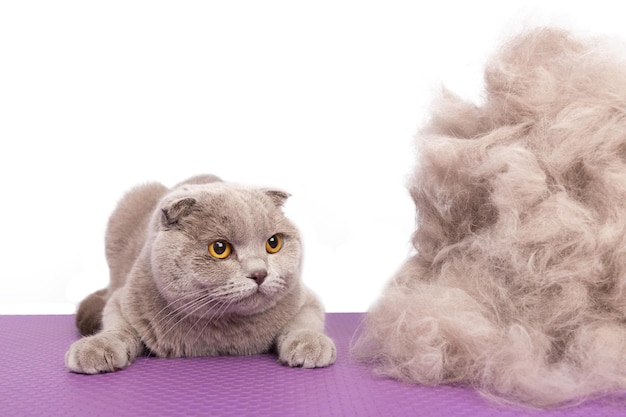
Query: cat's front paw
x,y
98,353
307,349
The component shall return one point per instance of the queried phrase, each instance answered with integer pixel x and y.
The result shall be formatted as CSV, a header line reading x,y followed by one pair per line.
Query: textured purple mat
x,y
34,382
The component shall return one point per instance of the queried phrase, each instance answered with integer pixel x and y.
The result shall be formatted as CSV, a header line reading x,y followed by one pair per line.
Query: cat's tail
x,y
89,314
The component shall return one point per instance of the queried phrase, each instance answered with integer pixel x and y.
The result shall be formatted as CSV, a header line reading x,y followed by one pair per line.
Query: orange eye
x,y
274,243
220,249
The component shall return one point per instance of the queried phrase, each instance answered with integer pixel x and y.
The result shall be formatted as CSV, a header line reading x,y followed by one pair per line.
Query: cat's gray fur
x,y
169,297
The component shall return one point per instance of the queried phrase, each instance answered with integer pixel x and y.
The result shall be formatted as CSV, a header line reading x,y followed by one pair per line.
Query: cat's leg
x,y
113,348
89,314
302,341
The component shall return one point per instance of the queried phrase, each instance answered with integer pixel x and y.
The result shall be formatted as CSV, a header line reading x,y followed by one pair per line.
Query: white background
x,y
319,98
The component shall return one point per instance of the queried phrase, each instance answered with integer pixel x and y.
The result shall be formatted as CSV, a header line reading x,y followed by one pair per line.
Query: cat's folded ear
x,y
175,210
278,197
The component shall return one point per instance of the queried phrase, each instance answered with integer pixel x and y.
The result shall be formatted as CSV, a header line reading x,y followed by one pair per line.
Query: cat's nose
x,y
258,276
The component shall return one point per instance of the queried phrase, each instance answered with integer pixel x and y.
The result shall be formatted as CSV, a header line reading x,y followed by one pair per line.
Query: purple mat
x,y
34,382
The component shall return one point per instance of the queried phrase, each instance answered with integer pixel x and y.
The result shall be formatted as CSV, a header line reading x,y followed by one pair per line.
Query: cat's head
x,y
222,248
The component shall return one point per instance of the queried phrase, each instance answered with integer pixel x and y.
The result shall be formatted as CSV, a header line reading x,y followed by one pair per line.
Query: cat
x,y
205,268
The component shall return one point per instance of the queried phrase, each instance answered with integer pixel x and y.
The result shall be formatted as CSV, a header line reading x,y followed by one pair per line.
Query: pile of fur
x,y
518,284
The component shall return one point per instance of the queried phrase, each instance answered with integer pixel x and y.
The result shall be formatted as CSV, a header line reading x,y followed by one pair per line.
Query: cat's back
x,y
127,228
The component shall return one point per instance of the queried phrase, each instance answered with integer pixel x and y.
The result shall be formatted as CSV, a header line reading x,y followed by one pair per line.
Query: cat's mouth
x,y
253,299
242,297
254,303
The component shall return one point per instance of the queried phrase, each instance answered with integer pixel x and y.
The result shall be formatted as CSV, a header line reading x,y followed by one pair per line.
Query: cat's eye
x,y
274,243
220,249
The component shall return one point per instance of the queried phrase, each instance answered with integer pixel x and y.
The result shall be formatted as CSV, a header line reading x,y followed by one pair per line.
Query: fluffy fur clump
x,y
518,283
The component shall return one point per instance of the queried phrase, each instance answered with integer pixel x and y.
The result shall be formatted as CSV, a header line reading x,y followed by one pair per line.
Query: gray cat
x,y
206,268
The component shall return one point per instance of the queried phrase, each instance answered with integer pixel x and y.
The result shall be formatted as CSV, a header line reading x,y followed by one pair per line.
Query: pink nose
x,y
258,276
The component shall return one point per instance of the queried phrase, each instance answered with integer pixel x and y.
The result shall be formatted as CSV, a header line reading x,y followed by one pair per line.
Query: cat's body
x,y
206,268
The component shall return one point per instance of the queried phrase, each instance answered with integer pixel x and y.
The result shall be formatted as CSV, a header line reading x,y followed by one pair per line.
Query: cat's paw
x,y
307,349
98,353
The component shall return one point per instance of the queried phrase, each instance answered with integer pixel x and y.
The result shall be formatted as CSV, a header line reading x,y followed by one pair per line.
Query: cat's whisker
x,y
216,314
274,286
171,310
196,303
172,318
193,325
234,292
186,310
206,300
216,301
223,290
